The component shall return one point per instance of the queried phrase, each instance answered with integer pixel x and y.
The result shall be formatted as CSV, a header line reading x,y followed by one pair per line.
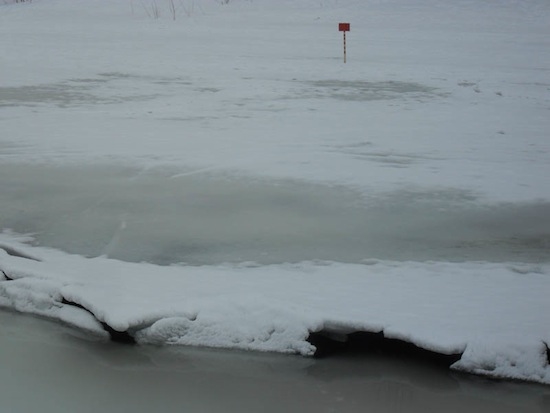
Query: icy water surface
x,y
48,368
165,217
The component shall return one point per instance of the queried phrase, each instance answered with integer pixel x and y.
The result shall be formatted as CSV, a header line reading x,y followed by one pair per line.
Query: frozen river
x,y
165,216
406,189
48,368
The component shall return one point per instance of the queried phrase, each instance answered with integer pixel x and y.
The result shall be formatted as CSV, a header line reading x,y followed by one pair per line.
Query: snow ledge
x,y
481,318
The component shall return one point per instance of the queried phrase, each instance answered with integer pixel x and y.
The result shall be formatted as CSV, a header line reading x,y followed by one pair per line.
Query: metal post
x,y
344,47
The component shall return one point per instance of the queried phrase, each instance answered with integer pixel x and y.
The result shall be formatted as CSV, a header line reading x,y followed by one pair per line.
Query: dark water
x,y
48,368
165,216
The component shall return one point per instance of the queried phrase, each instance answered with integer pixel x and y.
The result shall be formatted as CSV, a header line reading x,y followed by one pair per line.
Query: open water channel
x,y
48,368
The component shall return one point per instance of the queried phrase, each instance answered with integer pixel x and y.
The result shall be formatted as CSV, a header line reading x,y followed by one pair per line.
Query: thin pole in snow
x,y
345,47
344,27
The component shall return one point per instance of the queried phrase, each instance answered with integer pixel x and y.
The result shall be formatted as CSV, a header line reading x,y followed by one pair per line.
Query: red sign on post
x,y
344,27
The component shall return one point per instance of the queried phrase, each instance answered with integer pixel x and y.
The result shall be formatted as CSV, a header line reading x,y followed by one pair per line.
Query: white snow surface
x,y
436,95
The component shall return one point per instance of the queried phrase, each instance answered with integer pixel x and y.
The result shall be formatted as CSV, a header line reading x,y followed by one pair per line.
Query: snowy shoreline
x,y
494,314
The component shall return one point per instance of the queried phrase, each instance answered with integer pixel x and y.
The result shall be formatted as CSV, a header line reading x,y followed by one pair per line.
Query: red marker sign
x,y
344,27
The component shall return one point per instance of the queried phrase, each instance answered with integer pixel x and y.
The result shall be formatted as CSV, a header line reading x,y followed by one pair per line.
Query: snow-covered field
x,y
215,175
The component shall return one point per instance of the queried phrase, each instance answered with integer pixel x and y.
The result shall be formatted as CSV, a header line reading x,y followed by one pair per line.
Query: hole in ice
x,y
328,344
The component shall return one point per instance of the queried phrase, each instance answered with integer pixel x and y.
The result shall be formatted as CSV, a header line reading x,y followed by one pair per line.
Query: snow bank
x,y
494,314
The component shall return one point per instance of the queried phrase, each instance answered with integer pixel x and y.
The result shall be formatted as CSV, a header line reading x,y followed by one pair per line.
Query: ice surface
x,y
234,133
448,97
165,216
